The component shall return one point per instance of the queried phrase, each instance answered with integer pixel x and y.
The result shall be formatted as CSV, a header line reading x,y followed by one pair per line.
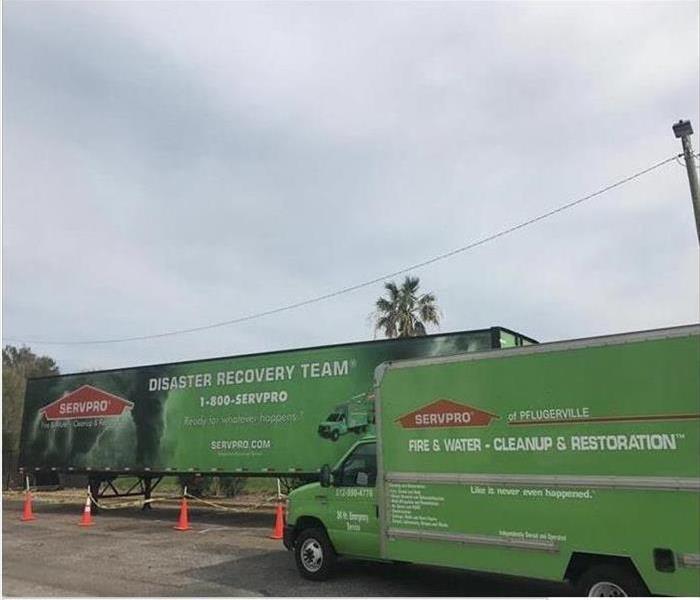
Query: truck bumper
x,y
288,537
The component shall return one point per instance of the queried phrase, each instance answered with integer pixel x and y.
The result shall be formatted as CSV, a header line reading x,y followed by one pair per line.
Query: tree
x,y
405,312
17,365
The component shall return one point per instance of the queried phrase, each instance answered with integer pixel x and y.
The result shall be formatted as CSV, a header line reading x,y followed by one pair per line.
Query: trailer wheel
x,y
610,580
314,554
335,434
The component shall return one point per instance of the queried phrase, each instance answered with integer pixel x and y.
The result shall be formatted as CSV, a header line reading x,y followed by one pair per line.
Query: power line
x,y
355,287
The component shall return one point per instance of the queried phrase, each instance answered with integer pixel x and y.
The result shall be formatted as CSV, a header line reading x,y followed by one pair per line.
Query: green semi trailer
x,y
575,461
255,414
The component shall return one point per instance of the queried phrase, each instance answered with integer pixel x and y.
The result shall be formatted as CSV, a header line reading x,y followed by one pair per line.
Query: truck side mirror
x,y
325,476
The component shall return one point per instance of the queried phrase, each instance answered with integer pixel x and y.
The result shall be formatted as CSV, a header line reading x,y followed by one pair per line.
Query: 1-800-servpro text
x,y
276,397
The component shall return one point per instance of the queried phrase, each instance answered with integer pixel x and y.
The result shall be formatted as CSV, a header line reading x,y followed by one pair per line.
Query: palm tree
x,y
405,312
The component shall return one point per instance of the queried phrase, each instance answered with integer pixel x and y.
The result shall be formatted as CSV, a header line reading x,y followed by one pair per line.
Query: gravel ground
x,y
132,553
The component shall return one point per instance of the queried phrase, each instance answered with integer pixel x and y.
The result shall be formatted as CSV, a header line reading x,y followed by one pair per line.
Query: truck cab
x,y
337,515
335,425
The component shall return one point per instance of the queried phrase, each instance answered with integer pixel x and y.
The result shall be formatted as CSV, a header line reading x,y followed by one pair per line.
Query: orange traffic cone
x,y
86,521
27,514
278,531
183,522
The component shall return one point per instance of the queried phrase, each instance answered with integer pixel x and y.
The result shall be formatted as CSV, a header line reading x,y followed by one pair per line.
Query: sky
x,y
171,165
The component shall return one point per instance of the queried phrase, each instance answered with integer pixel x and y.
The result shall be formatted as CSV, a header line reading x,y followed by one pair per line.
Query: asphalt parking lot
x,y
132,553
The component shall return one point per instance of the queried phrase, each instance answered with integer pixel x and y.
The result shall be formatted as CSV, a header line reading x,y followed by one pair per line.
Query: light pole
x,y
683,130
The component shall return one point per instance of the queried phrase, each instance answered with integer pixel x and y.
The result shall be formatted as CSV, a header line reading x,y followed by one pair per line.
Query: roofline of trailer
x,y
284,351
572,344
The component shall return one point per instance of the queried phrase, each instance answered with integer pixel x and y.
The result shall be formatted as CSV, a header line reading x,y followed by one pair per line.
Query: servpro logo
x,y
87,402
446,413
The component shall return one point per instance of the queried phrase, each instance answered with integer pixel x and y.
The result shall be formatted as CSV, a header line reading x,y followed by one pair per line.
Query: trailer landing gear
x,y
106,487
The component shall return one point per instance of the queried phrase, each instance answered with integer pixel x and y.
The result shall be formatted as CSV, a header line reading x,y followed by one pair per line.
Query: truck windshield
x,y
360,468
335,417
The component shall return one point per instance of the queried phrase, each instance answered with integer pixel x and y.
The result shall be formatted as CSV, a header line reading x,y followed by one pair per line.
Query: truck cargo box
x,y
547,461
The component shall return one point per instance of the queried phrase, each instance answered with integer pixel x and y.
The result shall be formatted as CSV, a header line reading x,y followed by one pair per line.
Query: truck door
x,y
353,509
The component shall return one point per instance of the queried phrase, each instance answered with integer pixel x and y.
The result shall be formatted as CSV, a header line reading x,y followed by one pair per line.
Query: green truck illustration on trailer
x,y
354,416
575,461
255,414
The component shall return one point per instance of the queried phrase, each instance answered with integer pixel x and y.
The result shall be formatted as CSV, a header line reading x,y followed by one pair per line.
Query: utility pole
x,y
683,130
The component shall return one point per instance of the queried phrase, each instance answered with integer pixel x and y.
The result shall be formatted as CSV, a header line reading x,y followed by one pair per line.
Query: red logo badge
x,y
86,402
446,413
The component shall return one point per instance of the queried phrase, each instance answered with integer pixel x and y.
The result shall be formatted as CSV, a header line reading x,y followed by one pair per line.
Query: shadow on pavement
x,y
359,578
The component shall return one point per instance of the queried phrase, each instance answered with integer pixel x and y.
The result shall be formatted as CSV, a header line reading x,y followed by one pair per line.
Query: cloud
x,y
167,166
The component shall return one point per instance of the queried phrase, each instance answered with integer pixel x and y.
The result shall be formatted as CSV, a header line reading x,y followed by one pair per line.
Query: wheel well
x,y
307,523
580,562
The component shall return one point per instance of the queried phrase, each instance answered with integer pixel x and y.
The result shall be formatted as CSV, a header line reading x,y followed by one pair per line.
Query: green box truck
x,y
575,461
354,416
256,414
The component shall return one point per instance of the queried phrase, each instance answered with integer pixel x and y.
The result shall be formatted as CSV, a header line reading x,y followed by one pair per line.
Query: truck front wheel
x,y
610,580
335,434
314,555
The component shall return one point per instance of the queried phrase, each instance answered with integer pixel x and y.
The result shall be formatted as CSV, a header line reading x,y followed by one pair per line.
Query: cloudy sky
x,y
170,165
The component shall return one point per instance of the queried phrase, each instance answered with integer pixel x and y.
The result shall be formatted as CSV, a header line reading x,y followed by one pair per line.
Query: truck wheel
x,y
610,580
314,555
335,435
